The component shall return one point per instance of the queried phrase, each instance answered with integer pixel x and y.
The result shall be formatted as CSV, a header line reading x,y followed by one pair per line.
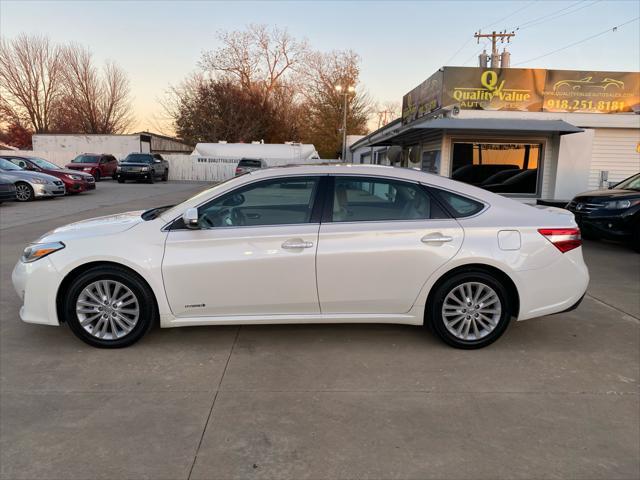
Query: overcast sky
x,y
401,43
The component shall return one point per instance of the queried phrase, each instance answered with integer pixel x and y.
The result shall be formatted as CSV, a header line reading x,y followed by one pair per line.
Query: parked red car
x,y
96,164
74,181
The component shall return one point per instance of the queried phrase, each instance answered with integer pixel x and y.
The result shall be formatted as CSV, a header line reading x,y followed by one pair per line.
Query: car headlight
x,y
40,181
619,204
87,169
118,168
74,177
37,251
144,169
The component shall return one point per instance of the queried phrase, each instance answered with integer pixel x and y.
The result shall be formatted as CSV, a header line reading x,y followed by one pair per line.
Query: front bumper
x,y
36,284
48,190
608,226
134,175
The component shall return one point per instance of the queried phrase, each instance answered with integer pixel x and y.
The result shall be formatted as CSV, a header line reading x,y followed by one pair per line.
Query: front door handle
x,y
436,238
296,243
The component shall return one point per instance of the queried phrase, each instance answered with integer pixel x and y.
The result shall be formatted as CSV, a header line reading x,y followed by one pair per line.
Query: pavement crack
x,y
633,317
215,397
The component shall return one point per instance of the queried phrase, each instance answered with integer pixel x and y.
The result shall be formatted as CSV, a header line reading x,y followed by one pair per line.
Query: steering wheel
x,y
205,221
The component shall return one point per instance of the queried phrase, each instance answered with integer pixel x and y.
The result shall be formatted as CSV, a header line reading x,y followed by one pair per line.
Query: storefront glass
x,y
499,167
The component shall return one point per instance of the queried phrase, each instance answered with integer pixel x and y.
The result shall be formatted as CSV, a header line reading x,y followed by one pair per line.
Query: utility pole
x,y
495,37
345,91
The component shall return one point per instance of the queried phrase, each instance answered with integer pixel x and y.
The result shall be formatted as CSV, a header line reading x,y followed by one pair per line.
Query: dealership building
x,y
531,134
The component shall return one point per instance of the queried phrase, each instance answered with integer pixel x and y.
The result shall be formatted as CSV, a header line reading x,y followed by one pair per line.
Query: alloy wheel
x,y
107,309
471,311
23,192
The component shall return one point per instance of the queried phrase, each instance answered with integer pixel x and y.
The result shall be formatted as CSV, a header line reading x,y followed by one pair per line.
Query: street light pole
x,y
347,90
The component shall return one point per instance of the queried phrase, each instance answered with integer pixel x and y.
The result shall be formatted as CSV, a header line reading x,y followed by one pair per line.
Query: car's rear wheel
x,y
469,310
96,175
109,307
24,192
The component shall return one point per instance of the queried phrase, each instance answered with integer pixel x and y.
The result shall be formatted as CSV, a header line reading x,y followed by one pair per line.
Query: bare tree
x,y
96,101
258,58
30,80
325,105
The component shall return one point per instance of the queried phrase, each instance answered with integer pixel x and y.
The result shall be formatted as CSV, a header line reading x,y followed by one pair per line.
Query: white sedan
x,y
310,244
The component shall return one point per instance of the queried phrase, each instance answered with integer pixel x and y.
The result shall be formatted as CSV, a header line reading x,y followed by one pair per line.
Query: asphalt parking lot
x,y
556,397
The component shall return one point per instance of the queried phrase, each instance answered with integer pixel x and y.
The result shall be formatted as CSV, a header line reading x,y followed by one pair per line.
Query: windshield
x,y
42,163
138,158
85,159
7,165
632,183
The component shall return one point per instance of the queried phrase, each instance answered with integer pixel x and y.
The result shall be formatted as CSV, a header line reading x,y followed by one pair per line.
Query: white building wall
x,y
118,145
614,150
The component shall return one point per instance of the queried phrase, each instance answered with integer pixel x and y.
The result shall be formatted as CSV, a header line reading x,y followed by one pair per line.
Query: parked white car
x,y
310,244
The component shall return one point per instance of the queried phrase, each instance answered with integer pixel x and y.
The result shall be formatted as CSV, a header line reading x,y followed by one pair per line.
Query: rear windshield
x,y
458,205
138,158
250,163
85,159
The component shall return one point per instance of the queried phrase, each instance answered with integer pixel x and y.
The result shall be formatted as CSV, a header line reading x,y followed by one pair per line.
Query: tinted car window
x,y
270,202
138,158
458,205
358,199
86,159
250,163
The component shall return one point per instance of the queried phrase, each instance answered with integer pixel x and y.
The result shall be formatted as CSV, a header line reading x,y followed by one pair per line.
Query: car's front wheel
x,y
24,192
96,175
152,177
635,237
470,309
109,307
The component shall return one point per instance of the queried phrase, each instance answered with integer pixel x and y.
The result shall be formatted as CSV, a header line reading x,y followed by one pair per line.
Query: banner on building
x,y
523,89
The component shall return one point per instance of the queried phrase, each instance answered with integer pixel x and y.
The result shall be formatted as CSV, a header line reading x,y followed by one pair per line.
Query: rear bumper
x,y
554,288
7,196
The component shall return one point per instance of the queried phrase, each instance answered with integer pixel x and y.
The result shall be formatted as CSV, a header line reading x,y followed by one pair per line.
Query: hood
x,y
27,175
93,227
614,193
68,171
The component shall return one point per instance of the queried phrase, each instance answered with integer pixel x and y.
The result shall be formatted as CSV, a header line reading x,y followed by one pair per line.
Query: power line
x,y
490,24
529,25
548,15
510,15
612,29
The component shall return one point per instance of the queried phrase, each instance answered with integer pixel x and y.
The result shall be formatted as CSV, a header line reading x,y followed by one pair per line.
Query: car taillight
x,y
564,239
238,171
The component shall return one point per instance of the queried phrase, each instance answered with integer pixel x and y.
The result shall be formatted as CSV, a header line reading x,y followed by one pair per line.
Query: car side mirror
x,y
190,218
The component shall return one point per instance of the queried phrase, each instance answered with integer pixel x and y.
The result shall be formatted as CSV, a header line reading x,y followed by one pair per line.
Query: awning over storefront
x,y
413,133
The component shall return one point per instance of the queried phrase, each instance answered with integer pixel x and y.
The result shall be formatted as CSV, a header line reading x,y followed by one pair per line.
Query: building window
x,y
498,167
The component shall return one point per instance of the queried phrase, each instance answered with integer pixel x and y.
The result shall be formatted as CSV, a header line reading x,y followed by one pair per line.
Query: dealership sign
x,y
523,89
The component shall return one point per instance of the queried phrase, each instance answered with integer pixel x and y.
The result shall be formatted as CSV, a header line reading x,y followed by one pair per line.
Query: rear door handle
x,y
436,238
296,243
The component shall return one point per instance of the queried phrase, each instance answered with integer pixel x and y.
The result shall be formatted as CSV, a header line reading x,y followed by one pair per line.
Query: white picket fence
x,y
181,167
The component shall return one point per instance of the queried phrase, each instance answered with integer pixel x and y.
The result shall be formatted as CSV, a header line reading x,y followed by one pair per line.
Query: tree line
x,y
259,84
50,88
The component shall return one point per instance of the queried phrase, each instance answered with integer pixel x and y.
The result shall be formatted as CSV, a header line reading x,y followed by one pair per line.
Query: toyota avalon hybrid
x,y
309,244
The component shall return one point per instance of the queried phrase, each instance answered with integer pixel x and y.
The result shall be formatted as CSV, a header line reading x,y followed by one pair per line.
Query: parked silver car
x,y
30,185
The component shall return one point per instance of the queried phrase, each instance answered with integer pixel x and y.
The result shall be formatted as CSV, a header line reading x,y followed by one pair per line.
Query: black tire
x,y
144,296
165,177
635,237
435,317
96,176
24,192
120,180
114,176
152,177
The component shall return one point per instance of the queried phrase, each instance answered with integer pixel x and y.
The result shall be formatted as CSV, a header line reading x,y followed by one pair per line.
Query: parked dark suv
x,y
612,213
143,166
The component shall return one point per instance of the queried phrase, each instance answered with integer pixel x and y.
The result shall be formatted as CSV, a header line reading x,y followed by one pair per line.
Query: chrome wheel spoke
x,y
100,309
471,311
